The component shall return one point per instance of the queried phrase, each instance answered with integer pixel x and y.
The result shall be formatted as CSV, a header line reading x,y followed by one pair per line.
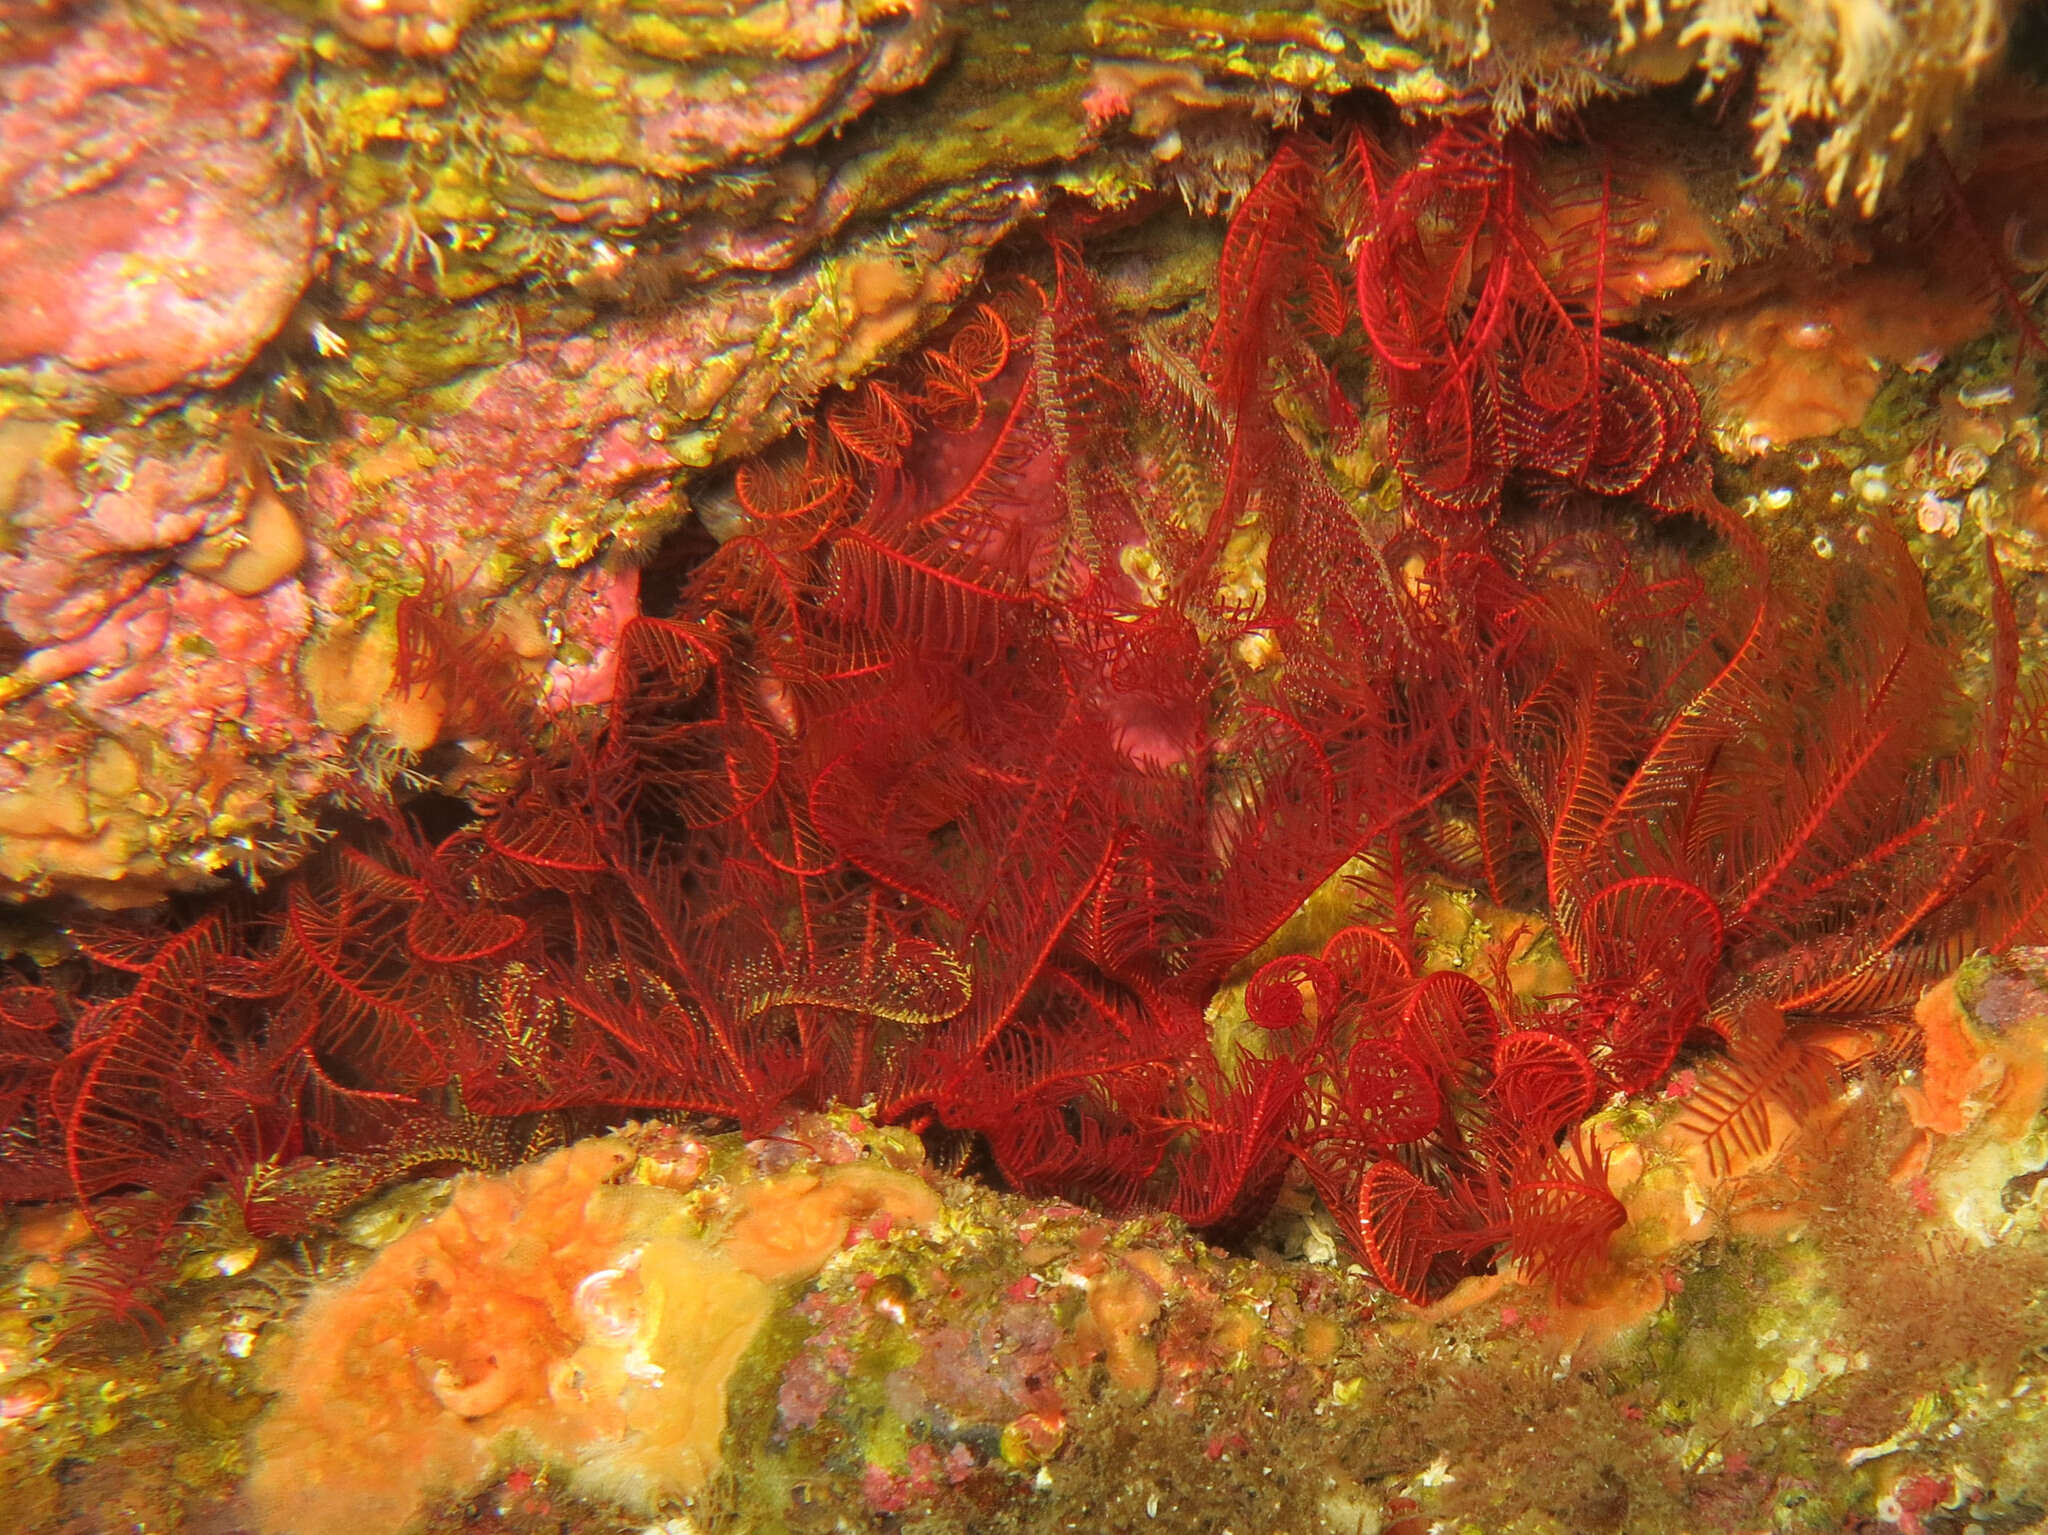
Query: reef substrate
x,y
360,301
351,296
1839,1326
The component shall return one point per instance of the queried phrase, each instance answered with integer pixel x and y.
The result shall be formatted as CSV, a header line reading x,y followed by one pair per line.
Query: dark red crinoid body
x,y
1041,683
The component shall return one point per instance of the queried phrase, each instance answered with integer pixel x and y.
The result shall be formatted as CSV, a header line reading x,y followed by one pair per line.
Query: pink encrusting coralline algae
x,y
155,226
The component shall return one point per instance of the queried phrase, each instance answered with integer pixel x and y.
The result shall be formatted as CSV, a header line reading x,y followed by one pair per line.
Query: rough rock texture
x,y
154,226
554,271
152,584
559,465
310,308
1828,1319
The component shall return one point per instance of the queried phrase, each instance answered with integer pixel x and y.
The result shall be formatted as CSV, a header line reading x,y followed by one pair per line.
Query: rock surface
x,y
1840,1318
154,226
310,309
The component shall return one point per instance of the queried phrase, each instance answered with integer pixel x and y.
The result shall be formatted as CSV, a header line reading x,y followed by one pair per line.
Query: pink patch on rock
x,y
885,1492
84,544
595,611
92,584
152,228
1913,1499
807,1390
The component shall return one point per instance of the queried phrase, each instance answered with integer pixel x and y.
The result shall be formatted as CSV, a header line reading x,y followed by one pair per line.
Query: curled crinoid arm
x,y
928,589
1407,1231
1384,1096
137,1051
1448,1023
119,1280
1271,245
1484,299
1367,961
548,844
1648,952
1270,248
873,425
1768,1071
1541,1082
794,494
1075,1096
1278,828
32,1028
1291,992
1239,1155
444,931
1647,420
465,673
952,557
663,665
885,821
1557,1213
958,374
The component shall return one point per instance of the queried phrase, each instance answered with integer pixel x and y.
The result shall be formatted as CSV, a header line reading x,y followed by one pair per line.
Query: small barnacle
x,y
670,1159
890,1296
571,540
1966,465
1257,649
1871,484
1146,571
611,1302
1938,515
1985,396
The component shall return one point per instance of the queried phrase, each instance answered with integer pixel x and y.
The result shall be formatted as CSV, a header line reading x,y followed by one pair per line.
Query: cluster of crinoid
x,y
1742,804
1482,288
1037,685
